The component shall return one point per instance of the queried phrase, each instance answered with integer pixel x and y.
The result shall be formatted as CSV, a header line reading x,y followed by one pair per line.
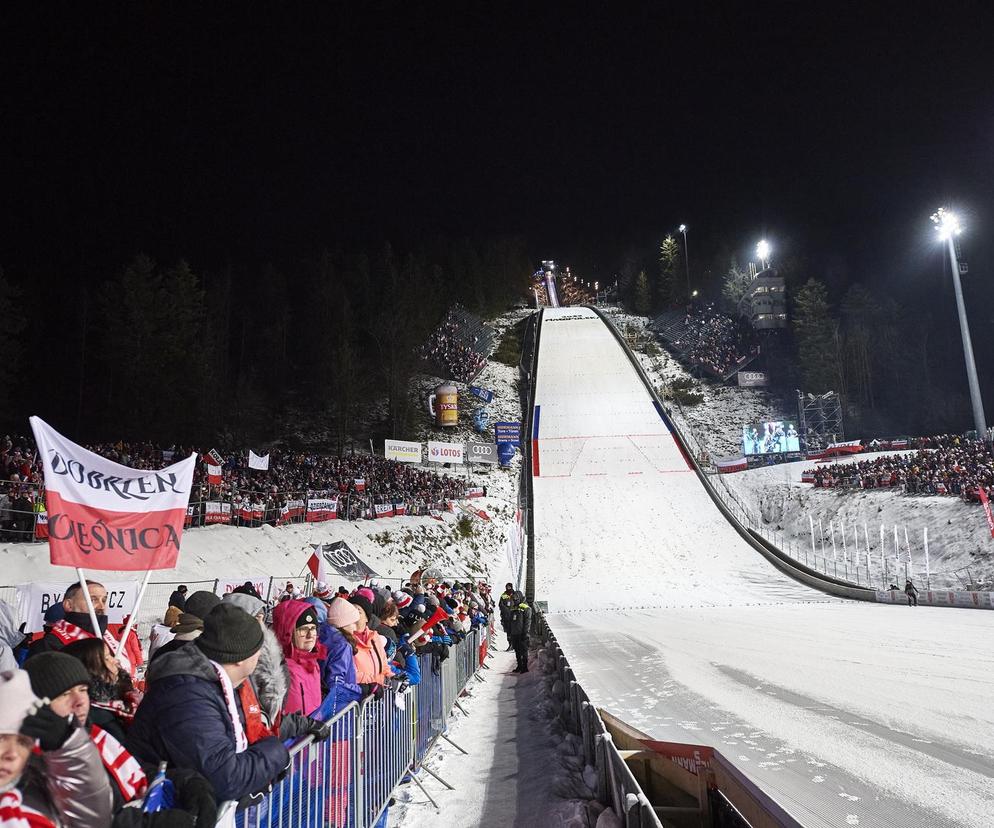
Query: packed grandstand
x,y
704,337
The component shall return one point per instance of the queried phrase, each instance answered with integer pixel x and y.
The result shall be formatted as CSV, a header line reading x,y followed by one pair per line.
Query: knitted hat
x,y
402,599
322,590
16,699
244,601
55,613
52,673
320,608
230,635
201,603
341,613
365,603
187,623
308,616
366,593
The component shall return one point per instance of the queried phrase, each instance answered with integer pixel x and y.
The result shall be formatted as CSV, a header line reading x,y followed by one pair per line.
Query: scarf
x,y
241,740
67,633
256,726
122,767
15,814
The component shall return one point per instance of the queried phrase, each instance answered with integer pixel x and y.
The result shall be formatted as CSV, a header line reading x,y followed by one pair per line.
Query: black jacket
x,y
519,619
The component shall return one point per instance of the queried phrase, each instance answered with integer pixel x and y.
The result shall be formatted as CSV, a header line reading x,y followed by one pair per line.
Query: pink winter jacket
x,y
371,664
304,695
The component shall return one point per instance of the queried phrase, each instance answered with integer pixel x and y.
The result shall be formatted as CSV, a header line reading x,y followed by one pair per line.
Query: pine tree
x,y
641,303
670,289
817,341
735,288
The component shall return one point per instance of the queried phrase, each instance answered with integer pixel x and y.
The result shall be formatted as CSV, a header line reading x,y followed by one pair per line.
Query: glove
x,y
404,648
371,690
318,729
194,794
171,818
49,728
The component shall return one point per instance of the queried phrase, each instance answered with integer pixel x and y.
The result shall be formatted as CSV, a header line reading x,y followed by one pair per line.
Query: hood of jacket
x,y
188,660
10,634
271,678
285,617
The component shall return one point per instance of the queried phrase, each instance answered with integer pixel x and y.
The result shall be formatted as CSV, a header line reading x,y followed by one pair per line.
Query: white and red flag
x,y
102,515
985,502
213,473
360,484
315,564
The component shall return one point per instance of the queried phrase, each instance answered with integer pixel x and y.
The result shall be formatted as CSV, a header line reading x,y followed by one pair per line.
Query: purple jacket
x,y
338,674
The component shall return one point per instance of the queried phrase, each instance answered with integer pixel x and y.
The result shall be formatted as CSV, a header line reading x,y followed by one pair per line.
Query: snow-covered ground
x,y
846,713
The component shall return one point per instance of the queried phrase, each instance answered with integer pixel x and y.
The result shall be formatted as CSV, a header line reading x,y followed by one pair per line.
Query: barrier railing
x,y
346,780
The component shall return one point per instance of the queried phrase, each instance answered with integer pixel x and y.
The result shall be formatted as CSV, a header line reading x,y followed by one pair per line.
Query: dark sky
x,y
178,130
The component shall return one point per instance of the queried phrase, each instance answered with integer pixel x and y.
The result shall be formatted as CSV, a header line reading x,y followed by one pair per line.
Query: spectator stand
x,y
706,340
459,347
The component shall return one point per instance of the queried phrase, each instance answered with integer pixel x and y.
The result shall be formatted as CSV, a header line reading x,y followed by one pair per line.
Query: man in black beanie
x,y
198,606
193,717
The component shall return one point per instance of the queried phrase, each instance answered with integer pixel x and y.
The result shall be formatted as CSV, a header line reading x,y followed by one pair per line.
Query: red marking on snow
x,y
535,466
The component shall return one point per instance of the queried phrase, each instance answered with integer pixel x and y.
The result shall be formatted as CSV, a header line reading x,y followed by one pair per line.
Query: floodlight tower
x,y
686,255
763,253
948,227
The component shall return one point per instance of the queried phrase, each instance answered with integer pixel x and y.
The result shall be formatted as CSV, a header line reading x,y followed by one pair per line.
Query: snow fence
x,y
347,779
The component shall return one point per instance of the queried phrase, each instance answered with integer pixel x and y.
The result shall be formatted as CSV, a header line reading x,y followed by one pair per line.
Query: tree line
x,y
166,352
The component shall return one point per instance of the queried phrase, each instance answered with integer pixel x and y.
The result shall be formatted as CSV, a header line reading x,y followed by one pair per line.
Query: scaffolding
x,y
821,419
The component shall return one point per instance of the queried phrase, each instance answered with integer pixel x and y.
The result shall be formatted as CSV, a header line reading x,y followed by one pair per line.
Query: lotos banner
x,y
102,515
34,600
445,452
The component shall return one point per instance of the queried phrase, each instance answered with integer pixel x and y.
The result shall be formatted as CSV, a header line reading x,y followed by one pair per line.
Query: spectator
x,y
518,627
506,607
192,716
371,664
912,592
110,687
163,633
11,637
338,675
64,783
178,598
191,622
296,626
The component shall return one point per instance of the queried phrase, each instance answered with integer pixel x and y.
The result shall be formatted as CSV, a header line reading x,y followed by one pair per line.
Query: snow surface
x,y
846,713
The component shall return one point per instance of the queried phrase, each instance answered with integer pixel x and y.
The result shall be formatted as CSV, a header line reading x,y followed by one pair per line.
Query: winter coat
x,y
519,619
338,673
371,665
178,599
304,694
184,720
271,679
506,607
10,636
79,788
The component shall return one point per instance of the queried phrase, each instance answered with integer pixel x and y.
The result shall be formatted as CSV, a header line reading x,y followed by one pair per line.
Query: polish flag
x,y
315,564
213,475
360,484
102,515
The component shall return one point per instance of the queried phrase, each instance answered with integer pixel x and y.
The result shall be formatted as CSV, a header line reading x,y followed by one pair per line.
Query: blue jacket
x,y
184,720
337,673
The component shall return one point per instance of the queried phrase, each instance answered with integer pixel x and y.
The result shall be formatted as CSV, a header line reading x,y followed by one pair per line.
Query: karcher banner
x,y
402,451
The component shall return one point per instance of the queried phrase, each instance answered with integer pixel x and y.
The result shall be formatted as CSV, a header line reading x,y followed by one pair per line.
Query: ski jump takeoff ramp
x,y
846,713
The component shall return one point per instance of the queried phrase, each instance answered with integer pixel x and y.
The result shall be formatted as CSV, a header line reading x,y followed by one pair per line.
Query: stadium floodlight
x,y
682,228
763,252
947,226
686,254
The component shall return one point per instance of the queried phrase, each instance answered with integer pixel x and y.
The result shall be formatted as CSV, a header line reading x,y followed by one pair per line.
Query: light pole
x,y
763,253
686,254
948,227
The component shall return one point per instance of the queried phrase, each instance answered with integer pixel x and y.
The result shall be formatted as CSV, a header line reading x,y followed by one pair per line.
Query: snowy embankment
x,y
961,549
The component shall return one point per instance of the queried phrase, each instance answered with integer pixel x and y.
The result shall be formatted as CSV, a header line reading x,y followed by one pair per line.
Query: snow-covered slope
x,y
846,713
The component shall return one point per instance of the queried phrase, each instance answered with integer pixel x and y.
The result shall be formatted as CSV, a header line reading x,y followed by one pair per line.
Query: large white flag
x,y
257,462
102,515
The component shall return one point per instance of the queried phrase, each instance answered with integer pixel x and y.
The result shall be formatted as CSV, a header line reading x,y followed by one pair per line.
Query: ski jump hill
x,y
678,621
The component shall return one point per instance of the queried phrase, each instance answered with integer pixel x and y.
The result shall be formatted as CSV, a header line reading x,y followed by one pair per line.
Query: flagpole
x,y
89,601
133,616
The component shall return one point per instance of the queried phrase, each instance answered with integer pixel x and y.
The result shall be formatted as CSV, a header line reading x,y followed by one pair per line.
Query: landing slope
x,y
846,713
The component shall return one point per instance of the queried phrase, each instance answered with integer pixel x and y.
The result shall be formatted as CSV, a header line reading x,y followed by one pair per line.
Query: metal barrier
x,y
346,780
616,786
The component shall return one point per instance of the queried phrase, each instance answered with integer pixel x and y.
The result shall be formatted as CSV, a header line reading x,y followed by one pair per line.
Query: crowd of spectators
x,y
715,342
940,465
85,736
358,481
459,347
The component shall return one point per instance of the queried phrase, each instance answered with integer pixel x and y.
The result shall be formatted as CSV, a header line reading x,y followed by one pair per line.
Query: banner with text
x,y
445,452
227,585
343,560
102,515
321,508
481,452
33,601
216,511
507,433
402,451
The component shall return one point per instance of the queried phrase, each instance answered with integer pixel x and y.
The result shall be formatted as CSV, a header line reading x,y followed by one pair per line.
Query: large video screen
x,y
774,437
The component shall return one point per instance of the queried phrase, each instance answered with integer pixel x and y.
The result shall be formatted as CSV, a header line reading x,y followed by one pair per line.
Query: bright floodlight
x,y
946,224
763,250
682,228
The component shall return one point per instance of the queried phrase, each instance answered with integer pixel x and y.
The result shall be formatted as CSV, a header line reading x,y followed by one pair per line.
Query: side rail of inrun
x,y
691,785
346,780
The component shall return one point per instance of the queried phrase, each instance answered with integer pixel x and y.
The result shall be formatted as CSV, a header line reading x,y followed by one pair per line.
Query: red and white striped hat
x,y
322,591
402,599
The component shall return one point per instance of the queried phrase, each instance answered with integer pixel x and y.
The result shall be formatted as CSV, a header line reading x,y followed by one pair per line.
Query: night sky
x,y
180,131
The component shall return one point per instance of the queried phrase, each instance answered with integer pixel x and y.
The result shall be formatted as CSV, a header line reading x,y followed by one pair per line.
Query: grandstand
x,y
704,338
459,347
